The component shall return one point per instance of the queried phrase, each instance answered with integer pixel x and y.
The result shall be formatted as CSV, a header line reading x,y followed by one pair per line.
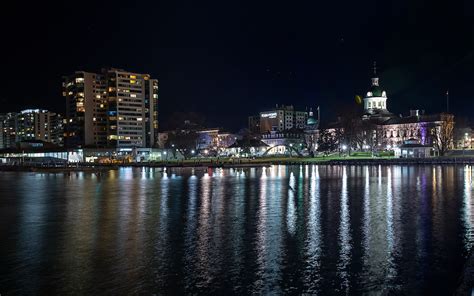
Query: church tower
x,y
375,100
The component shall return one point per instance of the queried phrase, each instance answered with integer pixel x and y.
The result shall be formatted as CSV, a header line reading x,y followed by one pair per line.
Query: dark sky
x,y
229,59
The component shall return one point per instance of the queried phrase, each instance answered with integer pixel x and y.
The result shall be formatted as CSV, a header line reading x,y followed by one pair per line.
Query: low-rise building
x,y
284,142
246,148
412,148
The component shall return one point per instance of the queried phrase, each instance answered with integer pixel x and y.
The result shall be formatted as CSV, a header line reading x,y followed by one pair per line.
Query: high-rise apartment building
x,y
86,109
8,125
115,108
30,124
34,124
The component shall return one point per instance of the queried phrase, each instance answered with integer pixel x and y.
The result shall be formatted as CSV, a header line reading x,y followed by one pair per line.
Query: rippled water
x,y
321,229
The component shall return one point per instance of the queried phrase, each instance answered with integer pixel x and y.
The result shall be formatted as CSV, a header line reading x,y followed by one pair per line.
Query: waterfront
x,y
312,228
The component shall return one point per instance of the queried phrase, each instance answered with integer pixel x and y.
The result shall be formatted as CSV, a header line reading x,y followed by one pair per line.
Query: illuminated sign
x,y
268,115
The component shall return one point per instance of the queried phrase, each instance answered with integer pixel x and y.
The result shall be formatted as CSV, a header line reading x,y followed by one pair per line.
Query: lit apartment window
x,y
79,80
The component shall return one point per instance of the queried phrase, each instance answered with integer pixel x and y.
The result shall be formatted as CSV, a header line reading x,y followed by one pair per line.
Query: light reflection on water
x,y
283,229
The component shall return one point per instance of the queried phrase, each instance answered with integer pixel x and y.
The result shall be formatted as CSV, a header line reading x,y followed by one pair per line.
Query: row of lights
x,y
344,147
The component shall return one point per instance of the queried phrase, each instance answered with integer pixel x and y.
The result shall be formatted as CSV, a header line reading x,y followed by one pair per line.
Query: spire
x,y
375,79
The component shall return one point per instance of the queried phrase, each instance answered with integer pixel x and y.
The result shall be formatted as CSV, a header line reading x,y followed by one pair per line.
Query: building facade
x,y
86,109
28,125
114,108
214,139
285,142
278,119
8,125
379,129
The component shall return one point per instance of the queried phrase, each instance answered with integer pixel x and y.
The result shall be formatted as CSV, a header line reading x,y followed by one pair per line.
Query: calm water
x,y
319,229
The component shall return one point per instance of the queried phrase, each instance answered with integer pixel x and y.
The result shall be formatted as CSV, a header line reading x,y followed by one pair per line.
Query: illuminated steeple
x,y
376,98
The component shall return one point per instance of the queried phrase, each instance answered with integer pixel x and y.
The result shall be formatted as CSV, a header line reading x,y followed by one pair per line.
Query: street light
x,y
344,147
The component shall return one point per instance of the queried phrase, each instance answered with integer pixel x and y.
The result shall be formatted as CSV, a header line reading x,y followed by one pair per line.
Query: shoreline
x,y
253,163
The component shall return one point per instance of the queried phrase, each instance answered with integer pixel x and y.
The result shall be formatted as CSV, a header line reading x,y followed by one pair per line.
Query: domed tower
x,y
375,100
312,122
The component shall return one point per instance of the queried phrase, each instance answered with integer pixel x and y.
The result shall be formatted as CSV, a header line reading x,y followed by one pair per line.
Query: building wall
x,y
282,118
115,108
396,134
30,124
35,124
254,124
85,109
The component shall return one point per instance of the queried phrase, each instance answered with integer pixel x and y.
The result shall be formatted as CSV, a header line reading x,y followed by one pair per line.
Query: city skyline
x,y
252,56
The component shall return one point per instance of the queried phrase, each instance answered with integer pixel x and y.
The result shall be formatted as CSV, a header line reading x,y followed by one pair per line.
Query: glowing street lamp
x,y
344,147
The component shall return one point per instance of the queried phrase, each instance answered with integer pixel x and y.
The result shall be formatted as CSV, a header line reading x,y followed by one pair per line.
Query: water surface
x,y
285,229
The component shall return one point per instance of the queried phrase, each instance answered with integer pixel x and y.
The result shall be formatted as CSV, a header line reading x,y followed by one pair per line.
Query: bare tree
x,y
443,134
185,142
351,127
328,141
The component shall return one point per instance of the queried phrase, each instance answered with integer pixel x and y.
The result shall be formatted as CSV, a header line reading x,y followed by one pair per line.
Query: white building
x,y
379,129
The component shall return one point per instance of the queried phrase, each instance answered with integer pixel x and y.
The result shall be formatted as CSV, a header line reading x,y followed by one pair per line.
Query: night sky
x,y
230,59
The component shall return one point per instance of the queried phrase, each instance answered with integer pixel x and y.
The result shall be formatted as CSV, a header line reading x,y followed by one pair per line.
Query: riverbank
x,y
246,163
259,162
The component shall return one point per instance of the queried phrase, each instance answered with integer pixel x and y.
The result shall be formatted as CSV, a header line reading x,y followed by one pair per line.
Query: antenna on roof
x,y
447,101
375,68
